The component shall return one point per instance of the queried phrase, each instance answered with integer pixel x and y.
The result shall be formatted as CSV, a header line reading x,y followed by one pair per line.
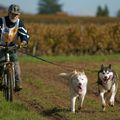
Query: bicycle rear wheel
x,y
8,90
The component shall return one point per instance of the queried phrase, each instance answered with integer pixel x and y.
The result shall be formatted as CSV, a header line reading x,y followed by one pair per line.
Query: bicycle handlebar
x,y
9,48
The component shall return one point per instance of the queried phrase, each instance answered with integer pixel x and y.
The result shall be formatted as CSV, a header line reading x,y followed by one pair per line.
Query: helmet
x,y
14,9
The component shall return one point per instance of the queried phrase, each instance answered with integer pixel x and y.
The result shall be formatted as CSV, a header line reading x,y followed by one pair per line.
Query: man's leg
x,y
18,82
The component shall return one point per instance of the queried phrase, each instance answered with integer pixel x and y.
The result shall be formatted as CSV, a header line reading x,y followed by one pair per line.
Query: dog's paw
x,y
103,108
111,104
79,108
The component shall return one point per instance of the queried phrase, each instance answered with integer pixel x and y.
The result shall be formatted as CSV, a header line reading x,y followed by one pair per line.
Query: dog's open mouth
x,y
105,80
79,88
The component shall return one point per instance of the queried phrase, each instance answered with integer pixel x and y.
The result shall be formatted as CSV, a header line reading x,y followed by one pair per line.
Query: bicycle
x,y
8,75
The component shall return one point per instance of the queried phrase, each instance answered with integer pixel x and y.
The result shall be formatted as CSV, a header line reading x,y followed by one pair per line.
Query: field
x,y
82,43
45,96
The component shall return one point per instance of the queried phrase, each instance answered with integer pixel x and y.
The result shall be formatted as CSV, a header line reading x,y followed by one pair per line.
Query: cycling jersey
x,y
10,31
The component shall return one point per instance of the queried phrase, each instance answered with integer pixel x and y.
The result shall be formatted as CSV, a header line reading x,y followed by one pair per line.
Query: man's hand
x,y
23,44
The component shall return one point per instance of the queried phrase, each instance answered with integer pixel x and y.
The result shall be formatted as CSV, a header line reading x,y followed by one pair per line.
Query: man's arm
x,y
22,32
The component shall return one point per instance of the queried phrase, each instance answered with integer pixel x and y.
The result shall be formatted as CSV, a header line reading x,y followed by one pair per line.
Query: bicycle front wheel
x,y
9,85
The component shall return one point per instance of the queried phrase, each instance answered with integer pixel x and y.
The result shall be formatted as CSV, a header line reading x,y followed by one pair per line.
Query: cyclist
x,y
11,28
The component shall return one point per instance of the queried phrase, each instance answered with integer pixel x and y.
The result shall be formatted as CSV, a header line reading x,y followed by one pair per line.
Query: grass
x,y
16,111
89,58
92,107
51,97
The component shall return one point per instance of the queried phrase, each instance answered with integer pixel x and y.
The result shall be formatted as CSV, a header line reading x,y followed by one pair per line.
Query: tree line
x,y
53,7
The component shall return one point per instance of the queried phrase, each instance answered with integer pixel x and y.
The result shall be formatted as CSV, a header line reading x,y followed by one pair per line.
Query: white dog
x,y
78,87
107,82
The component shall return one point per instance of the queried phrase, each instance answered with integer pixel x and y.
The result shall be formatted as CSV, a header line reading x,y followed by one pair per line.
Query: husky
x,y
107,82
78,87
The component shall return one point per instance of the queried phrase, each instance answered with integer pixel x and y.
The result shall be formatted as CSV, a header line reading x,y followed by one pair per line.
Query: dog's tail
x,y
64,75
67,75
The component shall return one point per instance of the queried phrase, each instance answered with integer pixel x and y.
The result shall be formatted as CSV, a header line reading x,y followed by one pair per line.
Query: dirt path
x,y
48,75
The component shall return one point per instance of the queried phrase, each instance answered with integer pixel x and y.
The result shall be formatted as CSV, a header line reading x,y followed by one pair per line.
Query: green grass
x,y
19,111
16,111
90,58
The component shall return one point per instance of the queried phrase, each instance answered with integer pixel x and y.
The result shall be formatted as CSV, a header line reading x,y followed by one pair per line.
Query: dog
x,y
107,82
78,87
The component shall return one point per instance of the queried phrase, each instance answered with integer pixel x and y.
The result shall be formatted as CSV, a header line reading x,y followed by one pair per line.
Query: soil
x,y
50,74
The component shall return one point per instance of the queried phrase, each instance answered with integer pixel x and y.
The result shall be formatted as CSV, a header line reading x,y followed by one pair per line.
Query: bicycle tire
x,y
8,91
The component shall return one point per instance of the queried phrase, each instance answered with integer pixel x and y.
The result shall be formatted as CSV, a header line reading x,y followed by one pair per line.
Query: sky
x,y
72,7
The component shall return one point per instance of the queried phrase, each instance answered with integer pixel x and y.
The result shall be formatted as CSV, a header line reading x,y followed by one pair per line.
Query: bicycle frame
x,y
8,81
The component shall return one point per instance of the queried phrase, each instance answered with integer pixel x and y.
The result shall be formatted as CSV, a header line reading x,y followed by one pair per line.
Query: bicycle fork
x,y
10,66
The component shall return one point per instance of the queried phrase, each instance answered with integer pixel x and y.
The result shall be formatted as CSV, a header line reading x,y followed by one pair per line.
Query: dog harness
x,y
9,34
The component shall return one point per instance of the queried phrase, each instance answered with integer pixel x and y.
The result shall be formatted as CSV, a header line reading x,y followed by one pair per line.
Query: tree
x,y
49,7
106,11
102,12
118,13
99,11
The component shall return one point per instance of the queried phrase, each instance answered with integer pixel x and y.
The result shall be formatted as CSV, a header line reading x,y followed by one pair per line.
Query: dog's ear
x,y
102,66
109,66
75,71
83,72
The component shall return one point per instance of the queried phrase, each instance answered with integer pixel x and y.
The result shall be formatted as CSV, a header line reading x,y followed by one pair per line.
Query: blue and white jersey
x,y
9,31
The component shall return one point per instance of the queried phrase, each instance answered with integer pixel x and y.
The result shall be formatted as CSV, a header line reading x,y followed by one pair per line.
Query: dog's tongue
x,y
80,88
105,81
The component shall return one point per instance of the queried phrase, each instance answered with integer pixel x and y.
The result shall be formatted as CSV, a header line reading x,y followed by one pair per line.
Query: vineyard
x,y
72,35
63,35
